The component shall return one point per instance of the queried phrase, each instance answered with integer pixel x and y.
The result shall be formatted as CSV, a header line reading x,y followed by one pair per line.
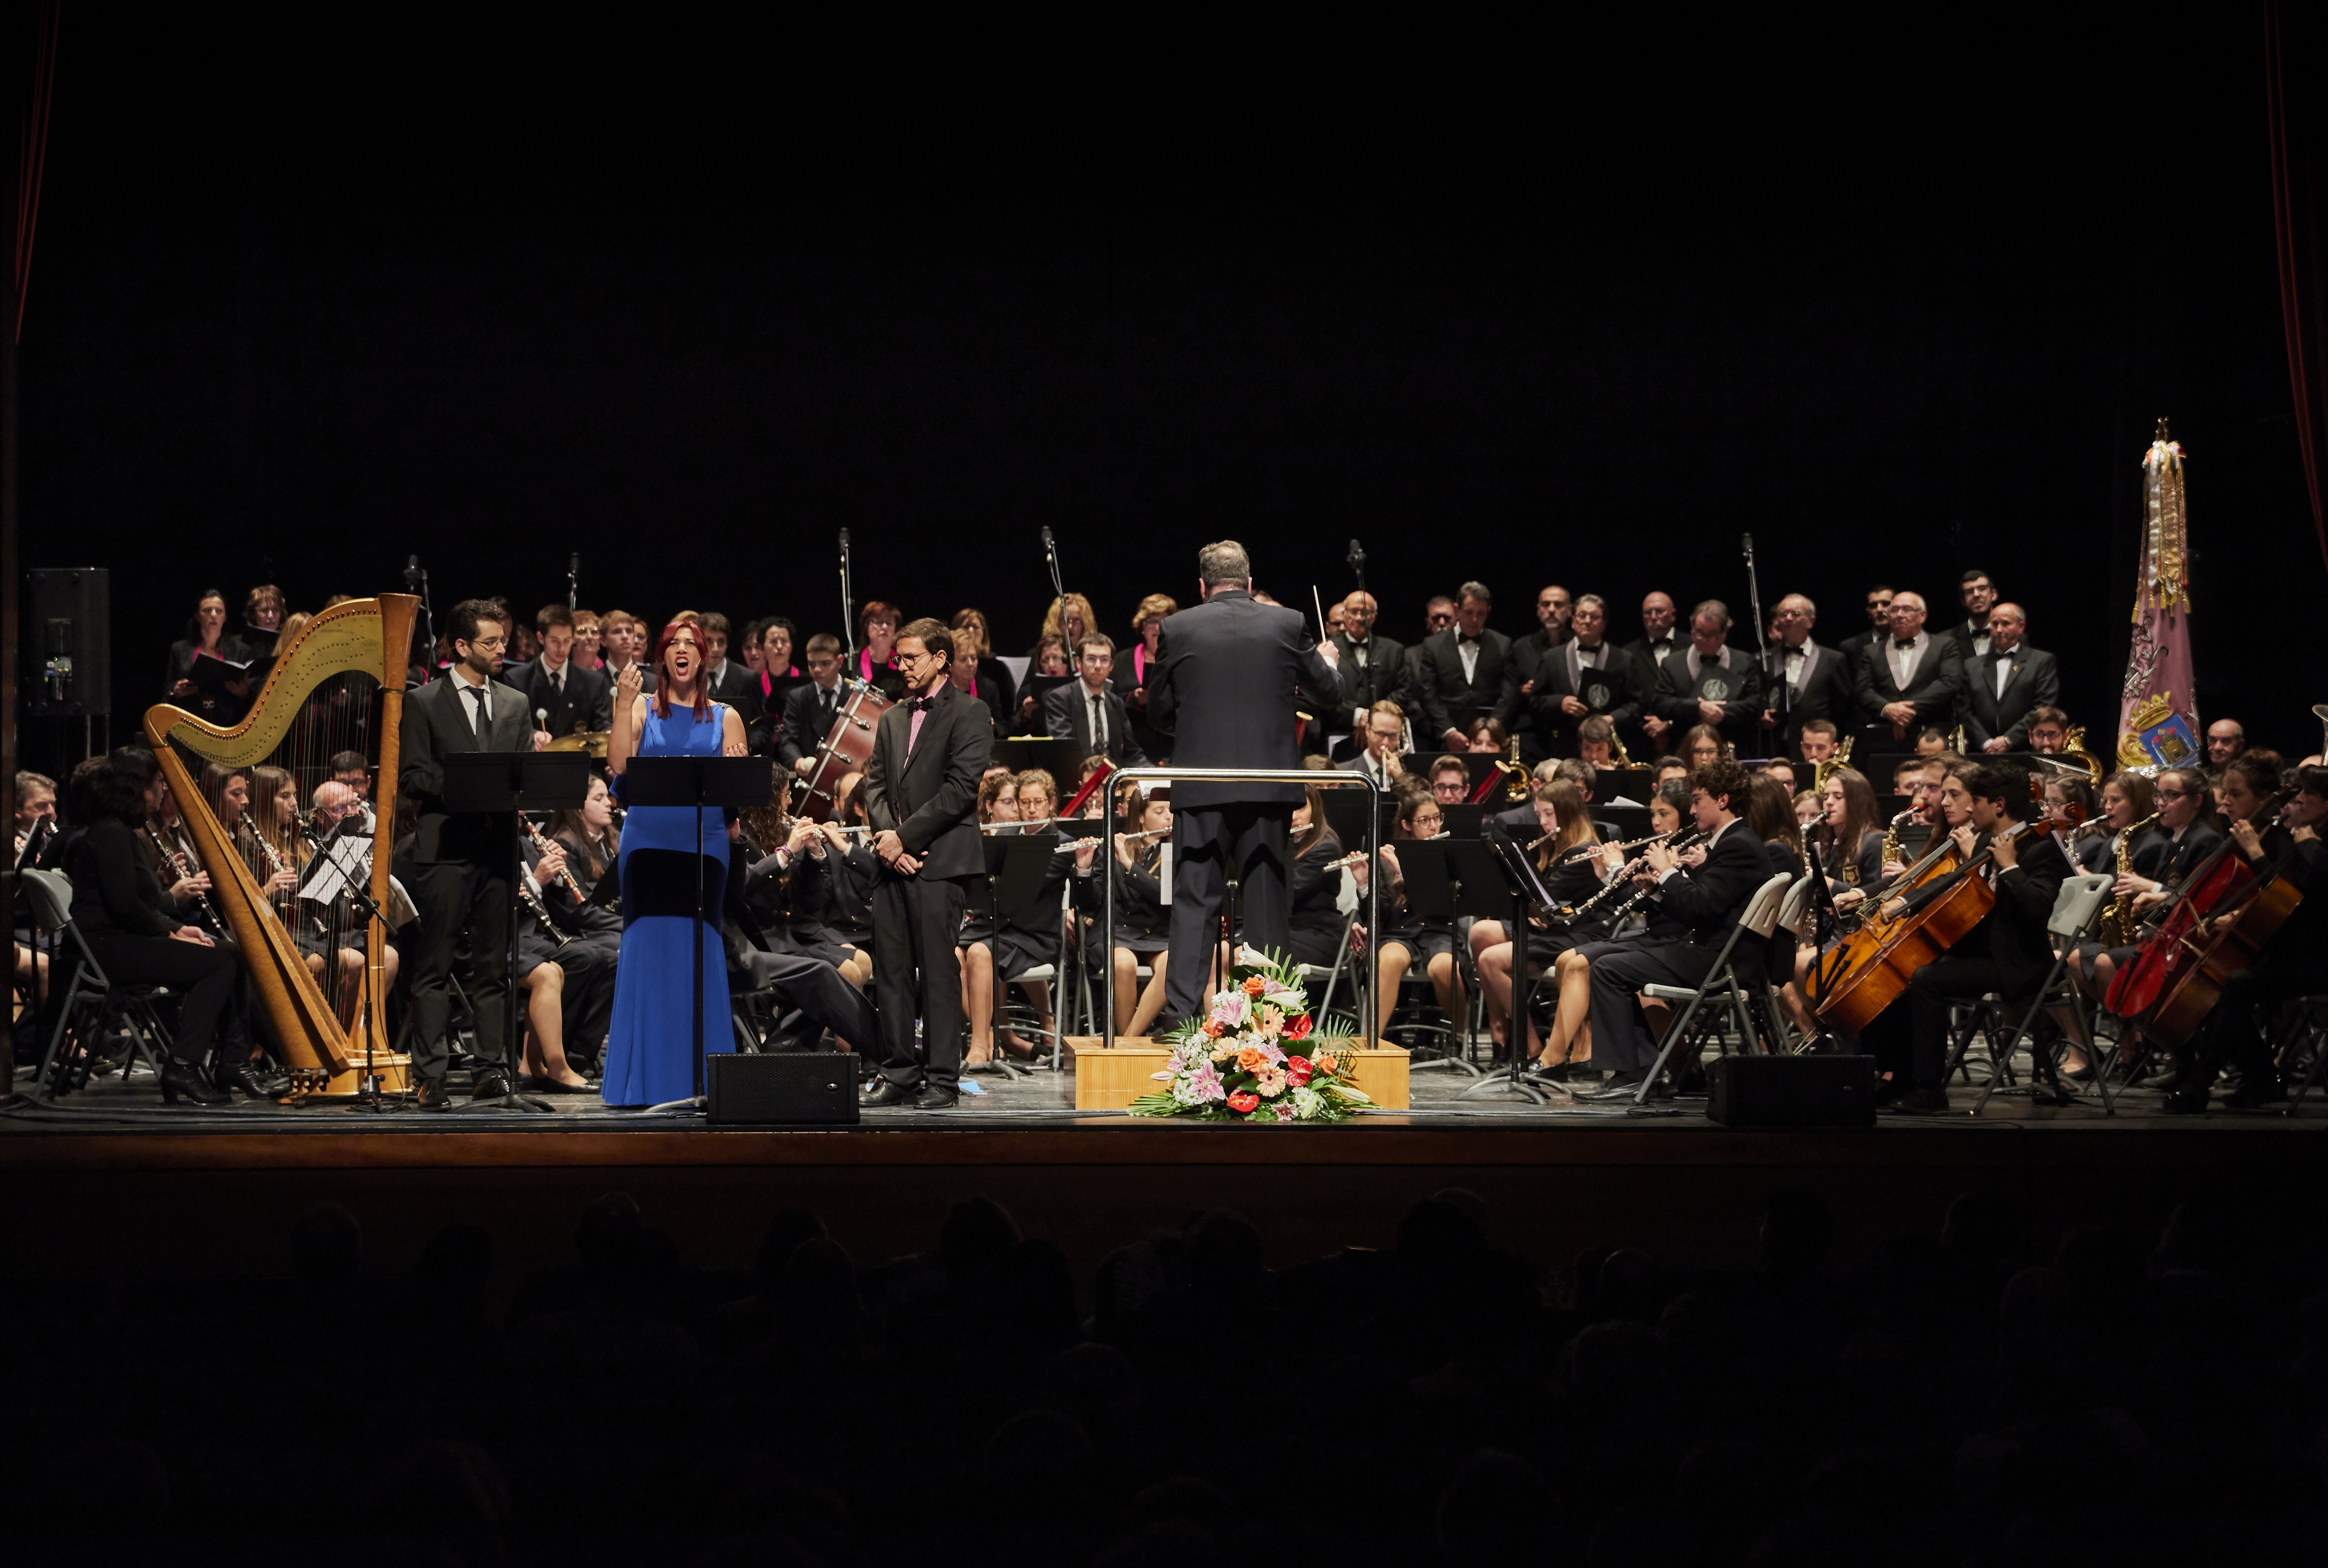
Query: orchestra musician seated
x,y
1049,662
1089,711
2049,731
1569,860
1596,742
811,707
333,935
1407,937
1485,737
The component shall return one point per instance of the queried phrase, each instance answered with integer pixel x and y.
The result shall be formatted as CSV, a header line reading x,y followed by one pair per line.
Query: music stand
x,y
504,784
1062,758
699,782
1528,893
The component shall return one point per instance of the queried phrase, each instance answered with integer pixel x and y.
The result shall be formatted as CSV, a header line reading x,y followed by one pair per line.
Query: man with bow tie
x,y
1462,671
1709,681
2007,684
1810,681
1658,643
1911,678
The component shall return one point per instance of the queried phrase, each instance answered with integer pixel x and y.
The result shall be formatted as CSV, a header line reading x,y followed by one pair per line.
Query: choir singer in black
x,y
1224,684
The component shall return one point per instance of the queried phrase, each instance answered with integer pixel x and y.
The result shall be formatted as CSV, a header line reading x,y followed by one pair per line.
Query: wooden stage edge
x,y
1385,1142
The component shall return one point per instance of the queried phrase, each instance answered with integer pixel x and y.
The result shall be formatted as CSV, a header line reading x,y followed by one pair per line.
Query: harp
x,y
337,686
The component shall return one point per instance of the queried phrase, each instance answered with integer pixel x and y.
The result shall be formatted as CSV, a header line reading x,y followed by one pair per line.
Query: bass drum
x,y
846,750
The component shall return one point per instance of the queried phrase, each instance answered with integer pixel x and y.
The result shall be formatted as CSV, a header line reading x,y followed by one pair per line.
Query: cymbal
x,y
593,741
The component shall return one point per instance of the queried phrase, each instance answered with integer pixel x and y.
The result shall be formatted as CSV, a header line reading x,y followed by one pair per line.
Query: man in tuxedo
x,y
1228,675
460,861
1711,682
1374,667
623,642
810,706
921,797
1438,614
1551,690
560,694
1463,672
1648,652
1879,627
1089,711
1911,679
1699,905
2007,684
2008,951
1971,637
1814,680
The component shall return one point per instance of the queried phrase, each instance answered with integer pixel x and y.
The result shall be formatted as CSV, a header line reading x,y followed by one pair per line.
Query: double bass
x,y
2136,990
2210,944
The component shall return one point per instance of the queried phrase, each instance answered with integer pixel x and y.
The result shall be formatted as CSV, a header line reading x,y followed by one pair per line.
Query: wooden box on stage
x,y
1109,1080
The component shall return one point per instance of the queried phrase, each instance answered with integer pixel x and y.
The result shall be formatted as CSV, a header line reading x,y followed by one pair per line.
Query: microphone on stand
x,y
1746,543
1357,561
573,579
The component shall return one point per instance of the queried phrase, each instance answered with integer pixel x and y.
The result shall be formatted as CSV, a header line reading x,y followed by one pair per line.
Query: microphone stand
x,y
574,580
847,604
1762,643
415,581
1357,561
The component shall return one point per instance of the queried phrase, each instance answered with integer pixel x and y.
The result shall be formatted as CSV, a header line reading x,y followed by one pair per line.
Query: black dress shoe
x,y
430,1094
2261,1089
1922,1102
932,1098
888,1093
182,1081
492,1083
231,1074
2185,1103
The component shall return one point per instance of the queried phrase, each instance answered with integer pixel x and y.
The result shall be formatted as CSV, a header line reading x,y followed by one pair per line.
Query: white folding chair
x,y
1755,922
2077,913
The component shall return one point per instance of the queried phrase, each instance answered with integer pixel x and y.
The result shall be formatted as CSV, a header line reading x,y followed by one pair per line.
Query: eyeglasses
x,y
489,644
2172,795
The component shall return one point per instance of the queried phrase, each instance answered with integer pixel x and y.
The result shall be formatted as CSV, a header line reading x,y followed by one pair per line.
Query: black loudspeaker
x,y
788,1089
66,667
1792,1091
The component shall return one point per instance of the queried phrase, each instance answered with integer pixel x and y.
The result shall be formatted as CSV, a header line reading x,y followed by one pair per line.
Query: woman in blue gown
x,y
650,1039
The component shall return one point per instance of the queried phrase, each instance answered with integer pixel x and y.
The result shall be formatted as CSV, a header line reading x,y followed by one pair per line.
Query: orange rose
x,y
1255,985
1252,1059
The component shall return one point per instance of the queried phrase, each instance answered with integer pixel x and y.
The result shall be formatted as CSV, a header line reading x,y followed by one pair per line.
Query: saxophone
x,y
2073,746
1617,748
1891,837
1824,771
2117,920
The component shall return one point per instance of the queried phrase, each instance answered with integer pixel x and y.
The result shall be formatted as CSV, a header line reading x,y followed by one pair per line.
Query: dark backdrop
x,y
1566,307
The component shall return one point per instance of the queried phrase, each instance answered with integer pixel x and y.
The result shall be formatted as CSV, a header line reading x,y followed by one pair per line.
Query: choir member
x,y
1974,637
1569,684
1710,682
206,638
971,680
971,626
877,660
2006,683
1879,627
1132,669
1813,682
1089,712
1658,642
1462,669
263,609
1911,679
812,707
585,640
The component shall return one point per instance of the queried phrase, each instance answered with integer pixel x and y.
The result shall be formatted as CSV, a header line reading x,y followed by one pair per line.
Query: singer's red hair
x,y
663,670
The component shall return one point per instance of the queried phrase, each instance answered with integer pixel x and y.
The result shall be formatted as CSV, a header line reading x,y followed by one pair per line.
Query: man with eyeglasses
x,y
1972,635
460,860
1089,711
1386,728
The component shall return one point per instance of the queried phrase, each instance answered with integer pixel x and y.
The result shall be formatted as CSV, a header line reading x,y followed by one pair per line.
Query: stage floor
x,y
1041,1099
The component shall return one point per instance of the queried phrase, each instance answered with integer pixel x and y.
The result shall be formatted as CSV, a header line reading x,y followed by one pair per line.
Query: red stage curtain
x,y
2295,228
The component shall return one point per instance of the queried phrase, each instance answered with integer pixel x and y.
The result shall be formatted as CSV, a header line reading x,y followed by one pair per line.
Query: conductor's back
x,y
1227,678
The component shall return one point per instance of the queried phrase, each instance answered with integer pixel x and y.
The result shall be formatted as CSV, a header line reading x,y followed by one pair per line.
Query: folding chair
x,y
2303,1053
1722,986
1794,917
1311,973
2077,912
50,893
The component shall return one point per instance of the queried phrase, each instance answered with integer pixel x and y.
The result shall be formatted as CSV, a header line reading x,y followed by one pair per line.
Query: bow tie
x,y
1461,638
923,704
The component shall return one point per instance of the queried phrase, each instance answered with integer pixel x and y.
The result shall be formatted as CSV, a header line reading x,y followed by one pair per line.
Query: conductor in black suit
x,y
1089,711
560,696
1911,678
1223,686
1811,681
460,861
921,797
1462,672
2006,685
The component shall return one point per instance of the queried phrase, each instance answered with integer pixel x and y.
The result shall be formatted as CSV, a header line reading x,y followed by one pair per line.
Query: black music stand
x,y
1062,758
503,783
1528,893
724,782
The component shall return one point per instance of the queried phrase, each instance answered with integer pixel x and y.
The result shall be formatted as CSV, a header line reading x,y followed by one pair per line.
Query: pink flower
x,y
1285,1112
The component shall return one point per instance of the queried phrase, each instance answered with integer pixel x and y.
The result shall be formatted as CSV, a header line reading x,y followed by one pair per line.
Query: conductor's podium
x,y
1110,1080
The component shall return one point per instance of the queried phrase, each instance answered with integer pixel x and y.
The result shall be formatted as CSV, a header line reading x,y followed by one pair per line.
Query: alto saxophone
x,y
1822,771
2117,920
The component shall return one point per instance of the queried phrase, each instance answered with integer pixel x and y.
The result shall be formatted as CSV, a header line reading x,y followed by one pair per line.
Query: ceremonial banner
x,y
2158,713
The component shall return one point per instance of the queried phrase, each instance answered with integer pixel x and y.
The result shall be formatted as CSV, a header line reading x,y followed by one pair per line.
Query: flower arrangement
x,y
1253,1056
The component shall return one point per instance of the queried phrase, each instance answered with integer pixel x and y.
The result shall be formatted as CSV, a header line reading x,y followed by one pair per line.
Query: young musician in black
x,y
921,791
460,861
2008,951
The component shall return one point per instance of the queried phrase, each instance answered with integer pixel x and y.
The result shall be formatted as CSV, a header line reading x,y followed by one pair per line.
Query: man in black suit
x,y
921,797
1711,682
1815,680
1911,678
1227,674
1438,614
1088,711
2007,684
1704,902
730,679
1374,667
561,696
1462,671
460,861
1879,627
1549,690
812,707
1971,637
2008,951
1658,642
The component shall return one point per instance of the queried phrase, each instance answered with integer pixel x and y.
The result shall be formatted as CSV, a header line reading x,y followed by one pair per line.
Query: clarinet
x,y
177,862
530,891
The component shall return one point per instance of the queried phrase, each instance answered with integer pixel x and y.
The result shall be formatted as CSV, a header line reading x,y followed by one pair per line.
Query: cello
x,y
2230,937
1898,947
2136,988
1842,975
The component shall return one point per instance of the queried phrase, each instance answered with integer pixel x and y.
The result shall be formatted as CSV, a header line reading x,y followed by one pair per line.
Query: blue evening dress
x,y
648,1040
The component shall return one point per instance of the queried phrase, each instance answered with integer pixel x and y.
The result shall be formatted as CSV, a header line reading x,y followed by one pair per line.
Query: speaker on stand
x,y
65,668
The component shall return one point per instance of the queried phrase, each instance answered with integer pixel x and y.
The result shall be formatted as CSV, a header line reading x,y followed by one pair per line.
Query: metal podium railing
x,y
1322,778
